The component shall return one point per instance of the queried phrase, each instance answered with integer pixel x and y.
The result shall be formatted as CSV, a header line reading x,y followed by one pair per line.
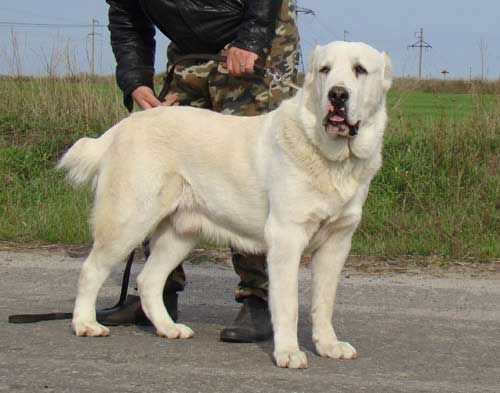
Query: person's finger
x,y
238,61
170,100
143,104
239,64
251,59
225,65
152,100
236,65
230,63
250,62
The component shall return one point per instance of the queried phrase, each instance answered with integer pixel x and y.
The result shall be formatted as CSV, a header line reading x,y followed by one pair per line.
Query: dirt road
x,y
413,333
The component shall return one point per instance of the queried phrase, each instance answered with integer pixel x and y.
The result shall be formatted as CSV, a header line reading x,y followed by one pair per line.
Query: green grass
x,y
437,193
429,106
40,119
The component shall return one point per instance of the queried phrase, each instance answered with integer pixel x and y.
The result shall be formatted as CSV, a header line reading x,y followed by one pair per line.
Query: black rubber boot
x,y
130,312
253,323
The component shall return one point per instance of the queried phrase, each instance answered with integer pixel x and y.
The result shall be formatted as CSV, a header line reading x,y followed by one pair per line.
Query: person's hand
x,y
146,99
240,61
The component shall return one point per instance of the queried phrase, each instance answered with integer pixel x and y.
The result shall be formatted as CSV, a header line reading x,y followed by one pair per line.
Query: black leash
x,y
31,318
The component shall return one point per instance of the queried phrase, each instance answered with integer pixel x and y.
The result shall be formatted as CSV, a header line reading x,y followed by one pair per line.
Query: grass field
x,y
437,194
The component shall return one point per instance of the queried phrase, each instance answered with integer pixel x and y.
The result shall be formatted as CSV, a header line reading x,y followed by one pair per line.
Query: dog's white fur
x,y
276,183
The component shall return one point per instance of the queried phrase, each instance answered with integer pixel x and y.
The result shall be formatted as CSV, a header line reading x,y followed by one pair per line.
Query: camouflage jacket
x,y
194,26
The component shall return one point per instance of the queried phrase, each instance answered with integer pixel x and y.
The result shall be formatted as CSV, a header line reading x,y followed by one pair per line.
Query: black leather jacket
x,y
195,26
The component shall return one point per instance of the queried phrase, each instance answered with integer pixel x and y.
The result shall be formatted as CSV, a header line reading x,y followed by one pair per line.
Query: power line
x,y
421,45
58,25
24,12
324,27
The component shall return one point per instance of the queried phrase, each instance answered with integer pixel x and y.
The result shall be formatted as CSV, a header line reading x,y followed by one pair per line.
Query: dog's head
x,y
344,90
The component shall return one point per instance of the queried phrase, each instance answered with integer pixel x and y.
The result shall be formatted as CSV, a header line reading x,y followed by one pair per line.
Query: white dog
x,y
285,183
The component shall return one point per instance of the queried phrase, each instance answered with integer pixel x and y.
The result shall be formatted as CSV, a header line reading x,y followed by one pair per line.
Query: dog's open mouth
x,y
336,122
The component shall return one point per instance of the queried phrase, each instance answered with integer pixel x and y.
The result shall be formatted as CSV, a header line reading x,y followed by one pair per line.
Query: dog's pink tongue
x,y
337,118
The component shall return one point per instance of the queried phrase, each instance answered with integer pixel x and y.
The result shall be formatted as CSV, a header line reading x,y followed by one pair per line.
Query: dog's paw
x,y
290,359
175,330
89,329
336,350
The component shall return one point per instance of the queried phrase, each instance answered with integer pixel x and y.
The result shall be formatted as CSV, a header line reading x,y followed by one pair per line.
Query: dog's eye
x,y
360,70
325,70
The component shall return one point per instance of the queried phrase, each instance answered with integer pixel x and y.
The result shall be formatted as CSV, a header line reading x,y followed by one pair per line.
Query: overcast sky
x,y
454,28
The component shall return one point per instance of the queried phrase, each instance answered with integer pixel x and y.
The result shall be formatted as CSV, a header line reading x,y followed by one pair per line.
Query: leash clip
x,y
276,77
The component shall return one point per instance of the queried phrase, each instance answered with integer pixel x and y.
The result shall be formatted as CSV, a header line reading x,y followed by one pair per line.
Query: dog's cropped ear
x,y
387,71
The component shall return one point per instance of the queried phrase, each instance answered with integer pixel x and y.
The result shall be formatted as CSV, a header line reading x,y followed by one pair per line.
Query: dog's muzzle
x,y
336,121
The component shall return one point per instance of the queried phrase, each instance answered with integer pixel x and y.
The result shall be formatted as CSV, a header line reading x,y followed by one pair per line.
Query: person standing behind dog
x,y
248,32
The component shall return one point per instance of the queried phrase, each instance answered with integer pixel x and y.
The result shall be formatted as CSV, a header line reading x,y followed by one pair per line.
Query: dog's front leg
x,y
285,246
327,264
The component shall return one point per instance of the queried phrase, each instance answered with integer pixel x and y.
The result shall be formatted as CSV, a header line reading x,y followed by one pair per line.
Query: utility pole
x,y
302,10
305,11
421,45
95,22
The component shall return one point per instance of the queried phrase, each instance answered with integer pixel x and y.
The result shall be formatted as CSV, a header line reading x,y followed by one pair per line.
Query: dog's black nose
x,y
338,94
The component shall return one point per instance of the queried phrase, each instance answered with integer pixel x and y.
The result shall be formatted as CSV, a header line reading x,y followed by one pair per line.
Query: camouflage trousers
x,y
209,85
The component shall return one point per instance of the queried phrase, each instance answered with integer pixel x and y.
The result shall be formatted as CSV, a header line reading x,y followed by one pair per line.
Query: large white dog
x,y
285,183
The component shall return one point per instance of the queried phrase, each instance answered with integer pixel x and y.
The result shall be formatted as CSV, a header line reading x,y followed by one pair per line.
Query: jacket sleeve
x,y
258,25
133,43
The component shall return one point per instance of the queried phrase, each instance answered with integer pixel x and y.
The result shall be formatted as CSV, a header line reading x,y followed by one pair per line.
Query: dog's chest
x,y
336,191
328,227
331,212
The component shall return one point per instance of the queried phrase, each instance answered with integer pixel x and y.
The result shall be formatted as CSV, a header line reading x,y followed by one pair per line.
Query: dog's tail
x,y
83,158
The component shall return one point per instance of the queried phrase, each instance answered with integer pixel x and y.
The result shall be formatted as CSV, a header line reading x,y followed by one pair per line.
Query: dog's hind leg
x,y
168,249
122,220
94,272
